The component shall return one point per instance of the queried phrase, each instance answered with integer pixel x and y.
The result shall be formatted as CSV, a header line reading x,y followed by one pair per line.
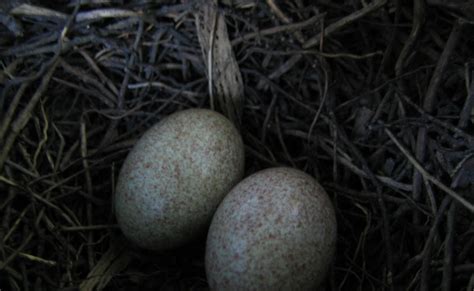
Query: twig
x,y
15,225
343,22
99,72
210,59
38,11
418,20
314,41
124,85
290,63
466,111
36,259
282,141
279,29
280,14
32,10
88,227
16,252
321,105
11,110
448,250
11,271
11,24
431,94
435,120
386,233
105,13
427,249
107,97
427,175
430,101
387,55
25,115
166,87
85,163
42,40
274,7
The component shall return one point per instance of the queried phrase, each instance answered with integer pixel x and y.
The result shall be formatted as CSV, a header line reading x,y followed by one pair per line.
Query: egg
x,y
175,176
275,230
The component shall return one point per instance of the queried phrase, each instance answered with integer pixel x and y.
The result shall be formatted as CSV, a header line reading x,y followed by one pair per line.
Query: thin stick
x,y
427,175
85,163
274,7
418,20
386,233
124,86
427,249
210,57
321,105
431,94
343,22
279,29
11,110
36,259
107,97
25,115
283,17
446,125
10,258
317,39
466,111
448,250
428,106
11,271
99,72
98,14
89,227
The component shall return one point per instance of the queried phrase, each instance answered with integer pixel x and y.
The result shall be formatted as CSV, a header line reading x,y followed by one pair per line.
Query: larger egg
x,y
175,177
275,230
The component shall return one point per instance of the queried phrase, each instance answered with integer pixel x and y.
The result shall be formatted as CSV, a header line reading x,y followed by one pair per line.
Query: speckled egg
x,y
275,230
175,177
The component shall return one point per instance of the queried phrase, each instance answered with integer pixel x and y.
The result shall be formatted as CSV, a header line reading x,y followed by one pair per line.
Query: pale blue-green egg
x,y
175,177
275,230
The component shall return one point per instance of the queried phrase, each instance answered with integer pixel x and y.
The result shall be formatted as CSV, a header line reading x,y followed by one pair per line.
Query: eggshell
x,y
275,230
175,177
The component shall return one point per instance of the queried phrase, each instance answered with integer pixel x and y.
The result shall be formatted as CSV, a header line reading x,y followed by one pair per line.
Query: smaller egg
x,y
275,230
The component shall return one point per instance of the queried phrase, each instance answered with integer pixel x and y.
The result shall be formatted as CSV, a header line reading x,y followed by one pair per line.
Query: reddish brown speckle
x,y
236,256
176,176
282,225
279,219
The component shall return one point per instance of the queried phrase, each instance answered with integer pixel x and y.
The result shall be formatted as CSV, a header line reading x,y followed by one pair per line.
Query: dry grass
x,y
374,98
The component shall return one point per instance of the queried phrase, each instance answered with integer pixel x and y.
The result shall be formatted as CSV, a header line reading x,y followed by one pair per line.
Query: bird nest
x,y
373,98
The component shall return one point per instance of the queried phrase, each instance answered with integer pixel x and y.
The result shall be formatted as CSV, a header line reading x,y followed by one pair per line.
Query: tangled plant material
x,y
374,98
